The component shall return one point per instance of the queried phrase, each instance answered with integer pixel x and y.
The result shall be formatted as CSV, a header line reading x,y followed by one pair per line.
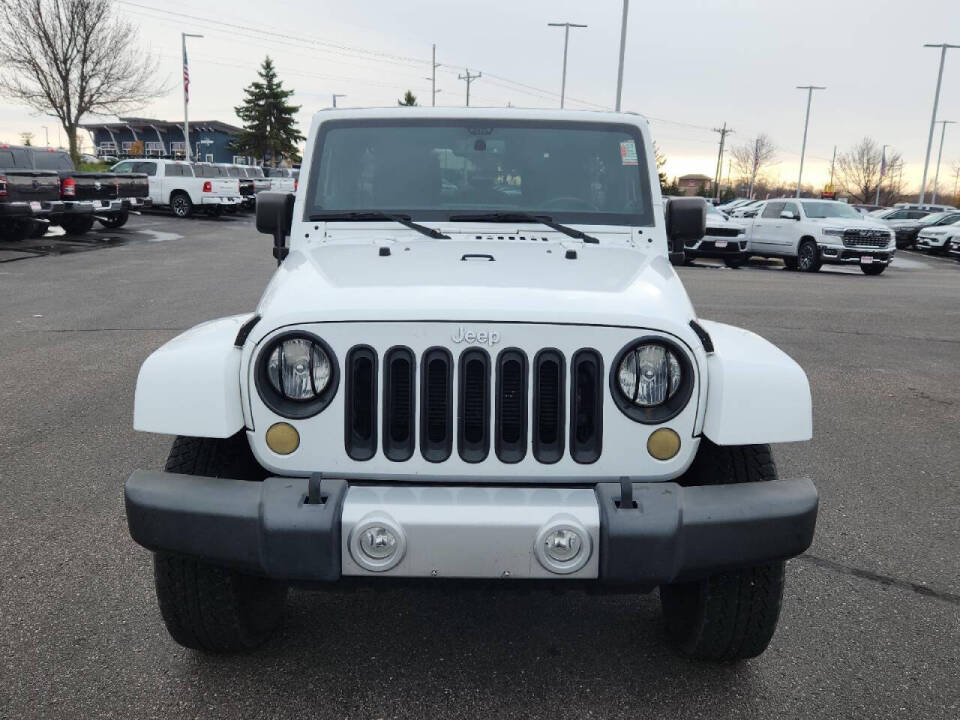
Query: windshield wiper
x,y
379,216
525,217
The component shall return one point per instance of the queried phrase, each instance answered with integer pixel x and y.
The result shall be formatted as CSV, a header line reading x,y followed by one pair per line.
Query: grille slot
x,y
722,232
548,406
586,406
399,404
510,439
360,421
853,237
436,418
473,421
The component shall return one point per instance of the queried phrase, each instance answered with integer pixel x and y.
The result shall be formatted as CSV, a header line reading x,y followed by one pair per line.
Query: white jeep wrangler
x,y
474,363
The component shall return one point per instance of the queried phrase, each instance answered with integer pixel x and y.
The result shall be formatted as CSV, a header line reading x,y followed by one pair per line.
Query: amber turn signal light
x,y
283,438
663,444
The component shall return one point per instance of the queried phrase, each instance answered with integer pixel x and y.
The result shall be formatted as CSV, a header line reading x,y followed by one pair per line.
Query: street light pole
x,y
933,117
883,169
566,40
186,93
335,96
936,175
806,123
623,48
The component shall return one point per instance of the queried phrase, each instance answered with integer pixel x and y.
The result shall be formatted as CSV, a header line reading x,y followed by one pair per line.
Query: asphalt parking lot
x,y
871,620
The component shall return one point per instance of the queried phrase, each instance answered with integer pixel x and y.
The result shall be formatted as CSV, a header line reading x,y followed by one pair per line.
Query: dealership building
x,y
142,137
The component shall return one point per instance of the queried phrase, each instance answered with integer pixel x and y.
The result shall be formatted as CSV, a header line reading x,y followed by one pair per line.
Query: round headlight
x,y
299,369
296,374
649,375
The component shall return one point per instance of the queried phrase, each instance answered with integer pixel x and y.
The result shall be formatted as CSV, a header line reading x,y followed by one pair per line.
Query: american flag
x,y
186,77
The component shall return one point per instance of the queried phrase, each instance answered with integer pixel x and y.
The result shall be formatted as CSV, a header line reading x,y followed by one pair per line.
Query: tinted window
x,y
829,210
233,171
772,210
52,161
145,167
916,214
573,171
254,172
793,209
209,171
121,168
6,159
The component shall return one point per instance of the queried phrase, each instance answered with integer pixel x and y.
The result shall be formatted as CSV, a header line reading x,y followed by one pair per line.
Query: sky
x,y
690,66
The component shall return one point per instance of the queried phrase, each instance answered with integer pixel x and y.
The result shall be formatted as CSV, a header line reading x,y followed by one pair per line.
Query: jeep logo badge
x,y
481,337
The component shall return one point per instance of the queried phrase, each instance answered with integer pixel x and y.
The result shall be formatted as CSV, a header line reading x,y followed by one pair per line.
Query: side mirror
x,y
275,217
787,215
686,220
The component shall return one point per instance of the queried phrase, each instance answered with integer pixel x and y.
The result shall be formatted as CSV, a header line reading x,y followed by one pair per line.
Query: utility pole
x,y
956,182
469,78
936,176
433,77
833,163
566,41
933,117
335,96
806,123
883,171
716,178
186,93
46,136
623,48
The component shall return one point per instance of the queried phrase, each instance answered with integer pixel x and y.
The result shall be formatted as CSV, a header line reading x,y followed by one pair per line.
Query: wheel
x,y
181,205
735,261
731,615
808,257
39,229
17,229
678,259
206,607
873,269
77,225
116,220
790,263
214,211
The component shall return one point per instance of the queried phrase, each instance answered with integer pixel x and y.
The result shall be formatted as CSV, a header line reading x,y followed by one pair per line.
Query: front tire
x,y
873,269
730,615
735,261
17,229
116,221
206,607
808,257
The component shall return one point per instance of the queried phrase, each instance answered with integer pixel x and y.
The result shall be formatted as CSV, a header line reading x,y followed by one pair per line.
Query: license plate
x,y
720,243
105,203
866,259
34,205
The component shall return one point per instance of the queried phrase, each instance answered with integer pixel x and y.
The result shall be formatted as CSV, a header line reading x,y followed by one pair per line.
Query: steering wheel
x,y
568,200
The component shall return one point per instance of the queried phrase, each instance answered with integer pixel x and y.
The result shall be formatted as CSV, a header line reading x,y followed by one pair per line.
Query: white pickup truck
x,y
807,234
184,187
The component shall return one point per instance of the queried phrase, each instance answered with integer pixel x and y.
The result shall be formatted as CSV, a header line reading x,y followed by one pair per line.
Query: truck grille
x,y
723,232
493,398
866,238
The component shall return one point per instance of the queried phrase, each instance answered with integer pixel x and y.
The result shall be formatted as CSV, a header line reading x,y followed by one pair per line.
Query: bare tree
x,y
864,168
67,58
752,157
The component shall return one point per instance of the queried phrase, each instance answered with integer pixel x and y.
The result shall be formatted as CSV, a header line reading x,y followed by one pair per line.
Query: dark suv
x,y
28,197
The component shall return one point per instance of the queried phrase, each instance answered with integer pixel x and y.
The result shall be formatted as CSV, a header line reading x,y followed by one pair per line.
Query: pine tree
x,y
269,122
408,99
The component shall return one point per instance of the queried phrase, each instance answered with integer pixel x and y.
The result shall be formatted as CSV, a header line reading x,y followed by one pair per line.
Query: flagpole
x,y
883,170
186,94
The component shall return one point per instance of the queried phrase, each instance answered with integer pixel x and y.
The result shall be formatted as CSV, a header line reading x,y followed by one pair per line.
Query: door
x,y
765,226
785,234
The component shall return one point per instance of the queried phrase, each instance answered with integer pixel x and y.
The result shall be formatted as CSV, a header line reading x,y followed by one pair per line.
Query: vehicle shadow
x,y
476,652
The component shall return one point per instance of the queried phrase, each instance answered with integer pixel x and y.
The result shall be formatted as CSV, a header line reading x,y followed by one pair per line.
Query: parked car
x,y
283,179
733,205
905,222
27,197
747,210
954,248
248,196
865,209
806,234
260,181
929,207
111,197
723,238
935,236
175,184
498,387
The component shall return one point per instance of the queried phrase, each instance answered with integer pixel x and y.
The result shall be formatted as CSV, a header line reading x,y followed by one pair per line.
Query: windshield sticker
x,y
628,152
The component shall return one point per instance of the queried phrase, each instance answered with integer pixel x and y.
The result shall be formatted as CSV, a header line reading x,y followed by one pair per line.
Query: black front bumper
x,y
669,533
736,246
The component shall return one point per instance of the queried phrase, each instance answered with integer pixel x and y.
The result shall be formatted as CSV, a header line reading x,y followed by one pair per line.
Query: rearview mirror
x,y
275,217
686,220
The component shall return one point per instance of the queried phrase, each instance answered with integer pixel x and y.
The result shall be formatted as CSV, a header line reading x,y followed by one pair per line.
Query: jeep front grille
x,y
492,402
866,238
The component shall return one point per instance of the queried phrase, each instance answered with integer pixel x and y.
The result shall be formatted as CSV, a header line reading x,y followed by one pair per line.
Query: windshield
x,y
431,169
934,218
829,210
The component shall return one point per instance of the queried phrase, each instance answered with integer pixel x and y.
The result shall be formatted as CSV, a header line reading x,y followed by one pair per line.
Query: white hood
x,y
531,281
